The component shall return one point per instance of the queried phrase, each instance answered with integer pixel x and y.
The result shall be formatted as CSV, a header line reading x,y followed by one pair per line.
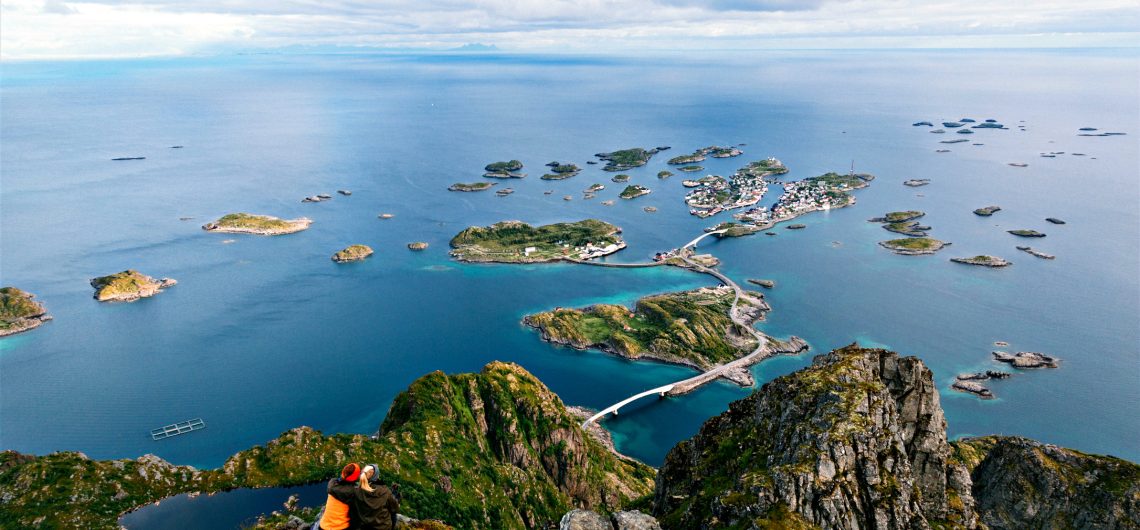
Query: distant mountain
x,y
476,47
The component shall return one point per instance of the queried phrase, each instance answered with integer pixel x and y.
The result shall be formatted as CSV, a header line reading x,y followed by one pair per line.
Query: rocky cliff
x,y
858,440
495,450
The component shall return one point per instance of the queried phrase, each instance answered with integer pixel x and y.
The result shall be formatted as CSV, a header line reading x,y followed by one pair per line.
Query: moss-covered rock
x,y
352,253
19,311
128,286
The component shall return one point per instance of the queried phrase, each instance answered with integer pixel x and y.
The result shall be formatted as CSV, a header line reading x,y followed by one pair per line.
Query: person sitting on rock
x,y
339,512
376,504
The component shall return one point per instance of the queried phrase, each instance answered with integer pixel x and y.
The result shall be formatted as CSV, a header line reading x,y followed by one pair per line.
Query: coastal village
x,y
714,194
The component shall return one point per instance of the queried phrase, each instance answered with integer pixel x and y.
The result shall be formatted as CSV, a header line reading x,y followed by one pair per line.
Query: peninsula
x,y
691,328
19,311
352,253
128,286
262,225
518,242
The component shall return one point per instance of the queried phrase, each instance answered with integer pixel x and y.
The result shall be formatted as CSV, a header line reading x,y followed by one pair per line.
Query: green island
x,y
1026,233
504,170
732,229
265,225
19,311
128,286
472,186
903,223
489,450
626,158
352,253
899,217
634,191
913,246
687,159
691,328
561,171
764,168
691,169
983,260
620,178
518,242
987,211
664,174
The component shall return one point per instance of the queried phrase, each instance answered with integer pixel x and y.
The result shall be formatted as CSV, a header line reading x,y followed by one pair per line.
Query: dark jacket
x,y
341,504
376,509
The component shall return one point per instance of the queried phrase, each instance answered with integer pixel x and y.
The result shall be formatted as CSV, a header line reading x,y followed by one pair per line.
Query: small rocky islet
x,y
1026,359
634,191
1026,233
504,170
987,211
352,253
625,159
265,225
472,186
914,183
560,171
417,245
19,311
913,246
972,383
983,260
128,286
1036,253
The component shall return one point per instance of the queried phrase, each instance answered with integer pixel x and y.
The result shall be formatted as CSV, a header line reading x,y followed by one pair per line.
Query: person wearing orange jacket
x,y
340,507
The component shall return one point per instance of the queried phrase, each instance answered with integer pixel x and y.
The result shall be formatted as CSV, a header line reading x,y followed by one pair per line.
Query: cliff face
x,y
858,440
1020,483
495,449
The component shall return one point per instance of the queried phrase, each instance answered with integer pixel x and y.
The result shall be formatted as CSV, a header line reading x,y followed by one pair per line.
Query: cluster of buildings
x,y
746,188
798,198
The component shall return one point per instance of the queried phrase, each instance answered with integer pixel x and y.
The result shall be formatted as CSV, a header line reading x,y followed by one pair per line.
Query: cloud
x,y
112,28
57,7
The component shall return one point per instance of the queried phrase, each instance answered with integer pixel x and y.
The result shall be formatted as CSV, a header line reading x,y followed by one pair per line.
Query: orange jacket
x,y
339,506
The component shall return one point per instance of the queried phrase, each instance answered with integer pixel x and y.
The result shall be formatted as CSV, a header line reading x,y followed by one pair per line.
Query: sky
x,y
60,29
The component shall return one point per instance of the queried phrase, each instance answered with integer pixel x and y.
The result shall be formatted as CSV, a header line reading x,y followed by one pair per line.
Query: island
x,y
417,245
620,178
795,227
691,328
767,284
700,155
20,312
664,174
1036,253
903,223
1026,233
971,383
913,246
987,211
827,191
1054,220
898,217
518,242
262,225
386,216
626,158
715,194
731,229
504,192
561,171
473,186
504,170
352,253
914,183
128,286
650,209
634,191
983,261
1027,359
691,169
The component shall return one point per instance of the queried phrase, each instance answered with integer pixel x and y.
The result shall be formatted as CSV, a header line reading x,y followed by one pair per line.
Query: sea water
x,y
267,333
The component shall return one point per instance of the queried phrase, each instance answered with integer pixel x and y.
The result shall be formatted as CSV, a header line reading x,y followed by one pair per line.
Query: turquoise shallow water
x,y
265,334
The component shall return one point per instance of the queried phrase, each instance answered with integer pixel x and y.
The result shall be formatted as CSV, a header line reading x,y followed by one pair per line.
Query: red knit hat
x,y
350,472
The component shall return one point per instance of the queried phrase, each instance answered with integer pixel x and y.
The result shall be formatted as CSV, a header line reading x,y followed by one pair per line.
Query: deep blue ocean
x,y
265,334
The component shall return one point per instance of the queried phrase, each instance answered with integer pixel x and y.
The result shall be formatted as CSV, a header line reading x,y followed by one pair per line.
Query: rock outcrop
x,y
858,440
588,520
